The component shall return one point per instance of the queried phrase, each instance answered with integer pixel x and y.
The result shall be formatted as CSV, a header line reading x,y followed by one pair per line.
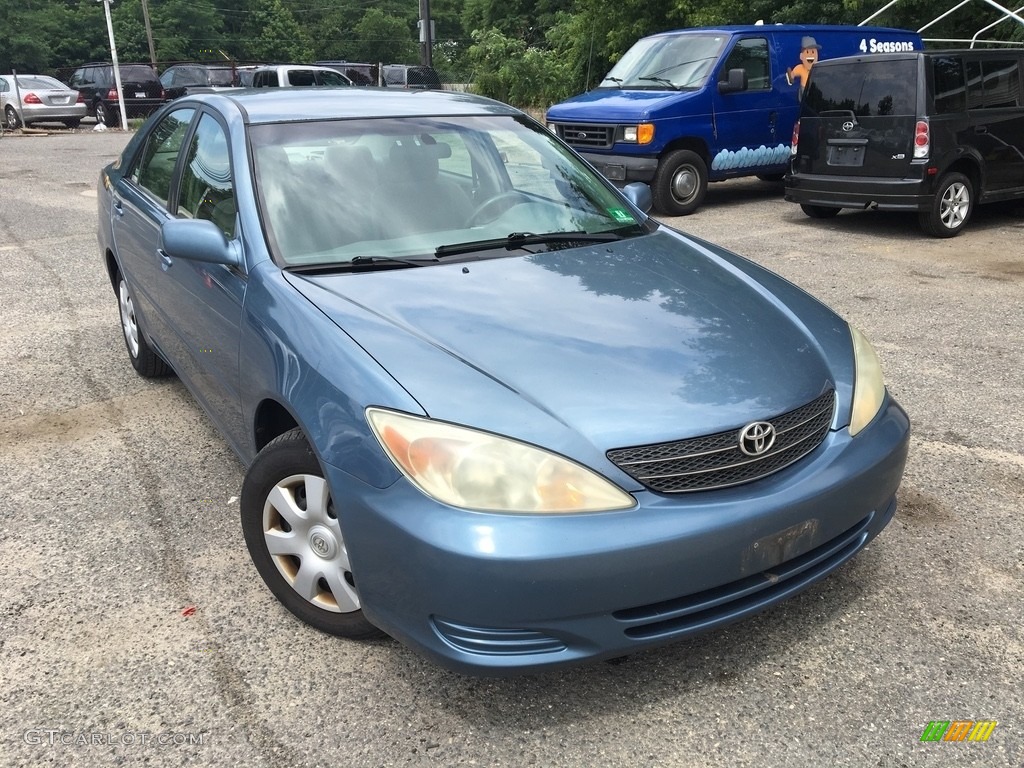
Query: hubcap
x,y
684,184
128,324
304,540
954,206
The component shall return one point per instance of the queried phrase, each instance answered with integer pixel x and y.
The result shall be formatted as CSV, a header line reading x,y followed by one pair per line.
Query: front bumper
x,y
623,169
496,594
908,194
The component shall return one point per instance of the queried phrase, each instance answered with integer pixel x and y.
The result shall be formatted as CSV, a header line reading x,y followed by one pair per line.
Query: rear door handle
x,y
981,129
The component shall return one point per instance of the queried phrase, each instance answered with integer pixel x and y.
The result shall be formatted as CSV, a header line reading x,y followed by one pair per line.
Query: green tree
x,y
272,34
379,37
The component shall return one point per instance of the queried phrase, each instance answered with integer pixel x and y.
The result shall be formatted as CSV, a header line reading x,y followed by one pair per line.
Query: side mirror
x,y
198,240
639,194
735,81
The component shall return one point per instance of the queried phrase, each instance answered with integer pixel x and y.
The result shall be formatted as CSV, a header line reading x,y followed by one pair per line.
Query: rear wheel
x,y
11,118
680,183
105,115
291,529
951,207
145,361
819,211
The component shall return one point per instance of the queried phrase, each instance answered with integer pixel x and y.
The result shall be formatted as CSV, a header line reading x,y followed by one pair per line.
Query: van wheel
x,y
680,183
951,207
819,211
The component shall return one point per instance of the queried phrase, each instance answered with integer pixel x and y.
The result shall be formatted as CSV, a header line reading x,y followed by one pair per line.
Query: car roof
x,y
273,105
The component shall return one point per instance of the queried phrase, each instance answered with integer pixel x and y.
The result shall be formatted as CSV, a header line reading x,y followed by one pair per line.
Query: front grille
x,y
716,461
587,136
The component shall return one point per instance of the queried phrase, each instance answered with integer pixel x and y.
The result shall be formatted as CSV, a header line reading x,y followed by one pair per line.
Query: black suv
x,y
143,93
935,132
182,79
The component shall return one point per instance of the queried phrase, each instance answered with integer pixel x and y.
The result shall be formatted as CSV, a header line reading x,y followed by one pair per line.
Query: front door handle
x,y
166,262
118,208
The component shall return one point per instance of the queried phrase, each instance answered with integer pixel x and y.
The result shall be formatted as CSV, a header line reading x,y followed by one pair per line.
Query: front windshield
x,y
667,62
343,191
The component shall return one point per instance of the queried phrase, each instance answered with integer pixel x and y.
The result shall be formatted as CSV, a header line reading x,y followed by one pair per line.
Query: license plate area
x,y
846,154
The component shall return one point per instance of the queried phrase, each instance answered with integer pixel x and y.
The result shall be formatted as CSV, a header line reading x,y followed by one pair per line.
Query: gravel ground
x,y
118,516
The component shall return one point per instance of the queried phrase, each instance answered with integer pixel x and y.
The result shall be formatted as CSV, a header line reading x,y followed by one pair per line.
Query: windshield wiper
x,y
360,263
616,80
663,80
520,239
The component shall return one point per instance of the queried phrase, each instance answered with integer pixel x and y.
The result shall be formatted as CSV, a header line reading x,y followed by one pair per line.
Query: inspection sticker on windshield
x,y
620,214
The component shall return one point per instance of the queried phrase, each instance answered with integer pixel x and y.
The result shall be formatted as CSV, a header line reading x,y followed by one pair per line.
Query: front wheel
x,y
819,211
291,528
951,207
11,118
680,183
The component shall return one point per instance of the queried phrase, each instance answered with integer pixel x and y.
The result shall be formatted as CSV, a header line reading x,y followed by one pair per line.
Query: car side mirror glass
x,y
197,240
639,194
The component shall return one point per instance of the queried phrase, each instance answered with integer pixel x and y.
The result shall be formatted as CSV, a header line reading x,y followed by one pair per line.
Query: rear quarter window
x,y
948,84
866,88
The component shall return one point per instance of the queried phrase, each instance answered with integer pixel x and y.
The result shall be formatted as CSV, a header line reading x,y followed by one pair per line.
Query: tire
x,y
72,123
11,119
145,361
680,183
286,506
951,207
104,115
820,211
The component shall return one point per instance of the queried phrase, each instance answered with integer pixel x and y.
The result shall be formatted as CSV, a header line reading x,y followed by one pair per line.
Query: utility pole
x,y
426,34
113,60
149,33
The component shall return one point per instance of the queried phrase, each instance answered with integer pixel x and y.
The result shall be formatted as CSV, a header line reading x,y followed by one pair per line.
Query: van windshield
x,y
672,62
865,88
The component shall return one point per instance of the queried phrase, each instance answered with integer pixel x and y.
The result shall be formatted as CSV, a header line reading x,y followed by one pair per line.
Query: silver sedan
x,y
39,99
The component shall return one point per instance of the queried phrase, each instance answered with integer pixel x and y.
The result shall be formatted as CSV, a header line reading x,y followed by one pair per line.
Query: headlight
x,y
477,470
638,134
868,387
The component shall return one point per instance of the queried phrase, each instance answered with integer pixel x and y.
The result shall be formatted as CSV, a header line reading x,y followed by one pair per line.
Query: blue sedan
x,y
487,405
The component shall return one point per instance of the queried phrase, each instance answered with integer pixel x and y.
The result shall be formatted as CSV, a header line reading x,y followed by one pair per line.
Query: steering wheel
x,y
494,206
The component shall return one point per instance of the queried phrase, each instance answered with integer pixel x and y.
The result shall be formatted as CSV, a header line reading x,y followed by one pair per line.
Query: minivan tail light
x,y
112,94
81,98
796,138
921,140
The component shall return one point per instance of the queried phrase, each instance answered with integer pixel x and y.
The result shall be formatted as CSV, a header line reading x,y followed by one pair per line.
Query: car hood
x,y
645,340
610,105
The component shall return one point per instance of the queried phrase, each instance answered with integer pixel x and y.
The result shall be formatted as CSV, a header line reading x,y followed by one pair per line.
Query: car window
x,y
207,189
301,77
750,55
332,78
950,92
155,166
993,83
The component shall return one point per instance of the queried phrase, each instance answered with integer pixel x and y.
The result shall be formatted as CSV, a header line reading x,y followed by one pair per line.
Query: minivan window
x,y
950,92
867,88
993,84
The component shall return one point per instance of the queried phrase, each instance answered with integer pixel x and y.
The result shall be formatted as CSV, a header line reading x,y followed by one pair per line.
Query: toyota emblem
x,y
849,125
757,438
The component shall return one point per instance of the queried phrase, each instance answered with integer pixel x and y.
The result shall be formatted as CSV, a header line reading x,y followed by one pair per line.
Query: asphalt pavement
x,y
135,630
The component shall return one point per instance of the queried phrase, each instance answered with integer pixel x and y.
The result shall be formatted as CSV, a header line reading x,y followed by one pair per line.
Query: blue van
x,y
687,107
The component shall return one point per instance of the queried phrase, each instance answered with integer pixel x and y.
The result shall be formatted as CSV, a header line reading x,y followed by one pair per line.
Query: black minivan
x,y
936,132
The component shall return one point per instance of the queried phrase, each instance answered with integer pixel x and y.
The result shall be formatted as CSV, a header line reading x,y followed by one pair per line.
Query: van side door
x,y
996,107
749,125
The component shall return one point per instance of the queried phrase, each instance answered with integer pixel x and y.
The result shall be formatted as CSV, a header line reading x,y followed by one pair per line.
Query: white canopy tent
x,y
1005,14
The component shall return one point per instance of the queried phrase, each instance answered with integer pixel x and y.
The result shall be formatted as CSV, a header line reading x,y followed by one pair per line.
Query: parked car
x,y
687,107
412,76
935,133
358,73
487,405
286,75
43,100
180,79
143,93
